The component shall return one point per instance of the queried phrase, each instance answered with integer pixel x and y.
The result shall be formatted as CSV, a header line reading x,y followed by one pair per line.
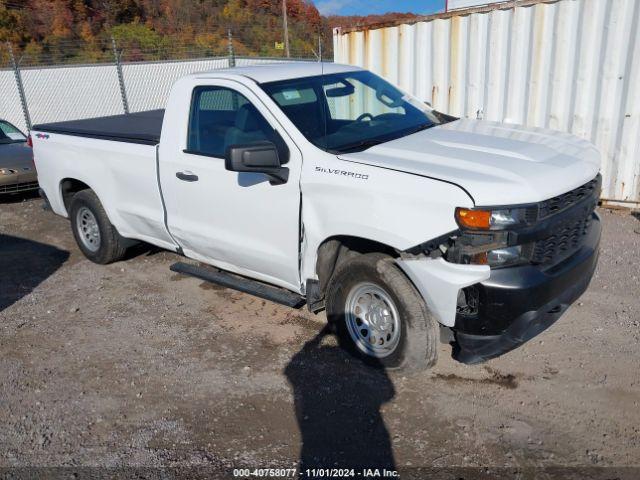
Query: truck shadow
x,y
24,264
337,405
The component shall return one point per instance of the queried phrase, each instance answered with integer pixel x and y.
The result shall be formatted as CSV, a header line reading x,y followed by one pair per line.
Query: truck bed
x,y
141,127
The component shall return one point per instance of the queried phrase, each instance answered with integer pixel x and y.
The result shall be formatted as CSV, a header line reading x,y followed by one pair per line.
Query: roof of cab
x,y
273,72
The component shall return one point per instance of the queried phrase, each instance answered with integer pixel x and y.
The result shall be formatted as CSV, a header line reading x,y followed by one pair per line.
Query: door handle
x,y
187,176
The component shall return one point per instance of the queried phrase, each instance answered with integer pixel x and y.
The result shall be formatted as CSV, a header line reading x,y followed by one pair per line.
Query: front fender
x,y
393,208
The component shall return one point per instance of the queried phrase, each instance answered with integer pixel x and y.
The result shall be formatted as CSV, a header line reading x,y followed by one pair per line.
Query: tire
x,y
409,336
102,243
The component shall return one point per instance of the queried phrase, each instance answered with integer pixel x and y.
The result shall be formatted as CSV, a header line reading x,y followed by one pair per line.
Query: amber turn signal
x,y
475,219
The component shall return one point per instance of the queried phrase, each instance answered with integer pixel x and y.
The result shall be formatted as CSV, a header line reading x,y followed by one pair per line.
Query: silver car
x,y
17,170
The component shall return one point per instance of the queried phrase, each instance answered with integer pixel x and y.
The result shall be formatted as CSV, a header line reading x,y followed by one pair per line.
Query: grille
x,y
561,243
561,202
18,187
566,238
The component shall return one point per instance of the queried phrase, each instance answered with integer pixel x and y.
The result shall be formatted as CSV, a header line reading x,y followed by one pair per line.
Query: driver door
x,y
236,221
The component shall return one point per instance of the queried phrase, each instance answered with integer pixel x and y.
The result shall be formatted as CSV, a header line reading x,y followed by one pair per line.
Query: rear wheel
x,y
379,316
94,233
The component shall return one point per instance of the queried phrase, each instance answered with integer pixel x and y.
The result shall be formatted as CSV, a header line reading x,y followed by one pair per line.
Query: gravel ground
x,y
133,365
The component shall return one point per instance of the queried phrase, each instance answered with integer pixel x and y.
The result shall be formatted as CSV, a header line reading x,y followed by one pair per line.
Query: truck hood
x,y
496,163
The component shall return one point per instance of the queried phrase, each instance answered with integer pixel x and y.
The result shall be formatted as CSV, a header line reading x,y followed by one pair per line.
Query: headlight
x,y
499,257
6,171
479,219
484,237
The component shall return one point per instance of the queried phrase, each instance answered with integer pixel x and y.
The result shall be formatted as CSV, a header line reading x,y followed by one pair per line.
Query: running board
x,y
246,285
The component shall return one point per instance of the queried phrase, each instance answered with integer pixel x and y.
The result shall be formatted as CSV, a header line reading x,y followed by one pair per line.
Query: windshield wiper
x,y
364,144
360,146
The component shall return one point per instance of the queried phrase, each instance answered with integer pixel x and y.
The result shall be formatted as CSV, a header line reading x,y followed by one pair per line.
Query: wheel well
x,y
335,250
69,187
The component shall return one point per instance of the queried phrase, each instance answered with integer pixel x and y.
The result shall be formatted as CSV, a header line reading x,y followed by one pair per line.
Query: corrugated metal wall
x,y
569,65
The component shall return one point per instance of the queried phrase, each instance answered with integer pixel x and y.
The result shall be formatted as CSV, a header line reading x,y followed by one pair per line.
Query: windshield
x,y
10,134
349,112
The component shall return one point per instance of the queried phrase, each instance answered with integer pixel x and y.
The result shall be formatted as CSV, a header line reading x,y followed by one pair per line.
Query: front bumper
x,y
518,303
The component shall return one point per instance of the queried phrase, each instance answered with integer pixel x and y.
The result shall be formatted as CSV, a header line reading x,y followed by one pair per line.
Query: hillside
x,y
55,31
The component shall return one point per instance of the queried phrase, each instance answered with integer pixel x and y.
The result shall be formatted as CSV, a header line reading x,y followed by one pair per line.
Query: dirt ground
x,y
133,365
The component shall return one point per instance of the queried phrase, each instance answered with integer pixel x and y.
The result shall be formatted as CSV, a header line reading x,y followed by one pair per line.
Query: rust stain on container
x,y
367,48
384,52
537,60
455,53
353,46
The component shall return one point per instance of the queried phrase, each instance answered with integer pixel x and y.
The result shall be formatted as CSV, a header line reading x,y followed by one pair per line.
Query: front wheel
x,y
379,316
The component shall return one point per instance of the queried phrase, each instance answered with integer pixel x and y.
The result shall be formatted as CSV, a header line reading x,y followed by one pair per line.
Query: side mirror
x,y
259,157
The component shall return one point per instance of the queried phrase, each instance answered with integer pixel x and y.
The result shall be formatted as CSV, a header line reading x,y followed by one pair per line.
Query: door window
x,y
221,117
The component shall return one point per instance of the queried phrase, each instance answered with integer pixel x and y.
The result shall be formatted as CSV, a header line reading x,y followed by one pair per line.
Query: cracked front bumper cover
x,y
439,282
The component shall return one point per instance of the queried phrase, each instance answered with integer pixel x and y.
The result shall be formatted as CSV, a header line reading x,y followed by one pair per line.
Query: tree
x,y
80,30
140,41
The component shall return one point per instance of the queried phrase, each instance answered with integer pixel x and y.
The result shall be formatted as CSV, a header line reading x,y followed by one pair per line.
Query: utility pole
x,y
232,54
123,89
286,28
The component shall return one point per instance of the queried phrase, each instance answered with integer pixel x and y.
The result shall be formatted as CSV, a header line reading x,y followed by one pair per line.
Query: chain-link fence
x,y
10,106
109,79
148,84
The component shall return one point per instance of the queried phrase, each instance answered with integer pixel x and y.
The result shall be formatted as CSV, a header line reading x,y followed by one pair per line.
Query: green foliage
x,y
140,42
138,35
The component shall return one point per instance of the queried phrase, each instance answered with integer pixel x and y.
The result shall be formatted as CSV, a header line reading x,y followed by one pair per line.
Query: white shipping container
x,y
568,65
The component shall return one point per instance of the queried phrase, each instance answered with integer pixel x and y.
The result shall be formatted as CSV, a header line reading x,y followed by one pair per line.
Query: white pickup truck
x,y
324,184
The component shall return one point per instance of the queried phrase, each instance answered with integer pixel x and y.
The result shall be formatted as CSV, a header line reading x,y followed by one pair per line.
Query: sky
x,y
368,7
